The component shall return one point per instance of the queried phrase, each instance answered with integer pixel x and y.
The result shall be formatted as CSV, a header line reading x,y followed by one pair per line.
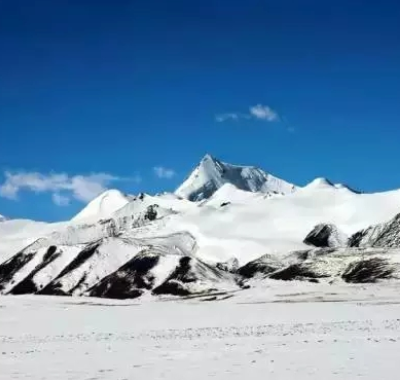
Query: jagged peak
x,y
209,157
211,174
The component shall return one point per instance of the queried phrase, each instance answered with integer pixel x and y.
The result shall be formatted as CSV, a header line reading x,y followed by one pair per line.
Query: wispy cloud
x,y
227,116
162,172
61,186
257,112
263,113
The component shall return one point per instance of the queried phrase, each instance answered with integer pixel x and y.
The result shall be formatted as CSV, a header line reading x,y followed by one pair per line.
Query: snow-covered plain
x,y
291,331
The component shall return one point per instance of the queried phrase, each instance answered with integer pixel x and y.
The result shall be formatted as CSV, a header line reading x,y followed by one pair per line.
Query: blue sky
x,y
97,94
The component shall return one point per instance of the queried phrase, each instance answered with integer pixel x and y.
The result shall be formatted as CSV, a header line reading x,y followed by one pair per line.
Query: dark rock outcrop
x,y
172,287
299,271
55,286
190,276
27,286
326,235
370,270
384,235
262,266
130,280
12,266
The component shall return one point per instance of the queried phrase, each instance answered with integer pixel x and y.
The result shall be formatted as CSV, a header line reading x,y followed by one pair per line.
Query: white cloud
x,y
60,200
263,113
259,112
162,172
227,116
80,187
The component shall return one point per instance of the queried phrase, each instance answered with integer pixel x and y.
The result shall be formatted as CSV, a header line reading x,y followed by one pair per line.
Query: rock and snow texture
x,y
352,265
326,235
239,230
211,174
380,235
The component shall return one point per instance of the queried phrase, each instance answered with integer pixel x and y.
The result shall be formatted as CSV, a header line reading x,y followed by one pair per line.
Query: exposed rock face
x,y
231,265
128,281
192,276
381,235
326,235
325,264
27,285
370,270
55,287
12,266
262,266
302,271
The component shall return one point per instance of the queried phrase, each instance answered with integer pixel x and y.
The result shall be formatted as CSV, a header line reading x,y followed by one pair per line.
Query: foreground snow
x,y
277,331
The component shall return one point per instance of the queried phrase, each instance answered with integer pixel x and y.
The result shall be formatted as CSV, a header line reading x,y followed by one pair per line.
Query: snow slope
x,y
252,225
102,206
16,234
211,174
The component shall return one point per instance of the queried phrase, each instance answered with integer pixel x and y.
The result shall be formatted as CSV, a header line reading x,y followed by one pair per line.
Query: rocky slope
x,y
211,174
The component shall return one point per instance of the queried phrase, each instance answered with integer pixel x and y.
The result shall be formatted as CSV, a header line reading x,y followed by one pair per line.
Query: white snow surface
x,y
291,331
211,174
248,228
103,206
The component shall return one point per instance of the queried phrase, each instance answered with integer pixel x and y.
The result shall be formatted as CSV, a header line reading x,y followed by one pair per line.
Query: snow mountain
x,y
211,174
224,229
103,206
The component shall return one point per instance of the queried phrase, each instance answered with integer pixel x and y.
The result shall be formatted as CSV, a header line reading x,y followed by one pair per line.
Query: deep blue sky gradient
x,y
122,86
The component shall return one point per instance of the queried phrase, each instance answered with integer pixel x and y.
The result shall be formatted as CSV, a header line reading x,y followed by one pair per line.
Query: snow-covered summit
x,y
103,206
2,218
320,183
211,174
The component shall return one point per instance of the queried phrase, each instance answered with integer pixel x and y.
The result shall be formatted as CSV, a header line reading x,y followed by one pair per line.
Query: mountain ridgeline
x,y
227,227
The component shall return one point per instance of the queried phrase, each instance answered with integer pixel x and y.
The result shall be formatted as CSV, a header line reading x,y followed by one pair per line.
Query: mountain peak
x,y
211,174
103,205
324,183
320,182
209,158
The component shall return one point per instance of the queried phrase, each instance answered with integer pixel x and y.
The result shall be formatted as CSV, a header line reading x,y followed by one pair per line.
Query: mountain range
x,y
224,229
